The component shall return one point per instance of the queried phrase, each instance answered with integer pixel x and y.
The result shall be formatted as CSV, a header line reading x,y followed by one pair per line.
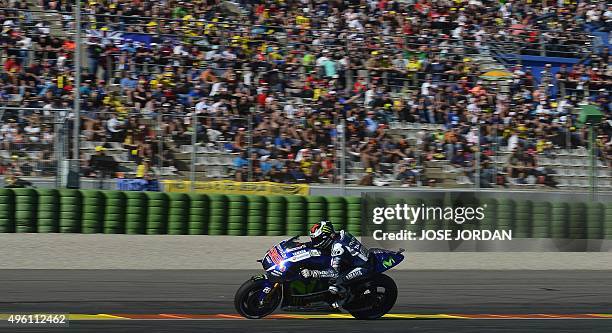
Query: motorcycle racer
x,y
348,258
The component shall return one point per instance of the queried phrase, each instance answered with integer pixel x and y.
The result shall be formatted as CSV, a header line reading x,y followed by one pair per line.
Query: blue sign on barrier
x,y
137,185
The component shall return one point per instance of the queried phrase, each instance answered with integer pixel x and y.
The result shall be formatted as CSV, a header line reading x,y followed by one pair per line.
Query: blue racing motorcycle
x,y
282,284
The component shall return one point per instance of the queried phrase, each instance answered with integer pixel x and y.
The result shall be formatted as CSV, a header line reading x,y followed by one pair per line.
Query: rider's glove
x,y
306,273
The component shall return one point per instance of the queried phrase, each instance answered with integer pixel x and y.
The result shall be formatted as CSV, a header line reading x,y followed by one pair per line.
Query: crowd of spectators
x,y
274,79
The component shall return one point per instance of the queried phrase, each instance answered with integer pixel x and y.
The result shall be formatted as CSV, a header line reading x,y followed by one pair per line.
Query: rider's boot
x,y
341,293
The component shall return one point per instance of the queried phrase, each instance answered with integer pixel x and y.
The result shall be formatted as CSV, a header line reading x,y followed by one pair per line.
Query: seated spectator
x,y
368,178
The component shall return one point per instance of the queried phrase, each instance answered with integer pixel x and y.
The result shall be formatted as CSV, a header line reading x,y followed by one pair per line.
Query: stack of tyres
x,y
135,212
577,220
411,225
157,213
392,225
541,214
489,221
505,214
594,220
48,210
608,221
316,211
559,215
296,220
336,211
236,215
26,202
276,214
178,213
92,211
114,212
71,203
434,219
353,215
217,222
299,216
7,210
522,219
256,215
198,214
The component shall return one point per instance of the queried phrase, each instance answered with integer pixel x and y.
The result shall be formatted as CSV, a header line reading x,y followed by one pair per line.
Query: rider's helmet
x,y
322,235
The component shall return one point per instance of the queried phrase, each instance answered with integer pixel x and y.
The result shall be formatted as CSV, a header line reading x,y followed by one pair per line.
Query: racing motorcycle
x,y
282,284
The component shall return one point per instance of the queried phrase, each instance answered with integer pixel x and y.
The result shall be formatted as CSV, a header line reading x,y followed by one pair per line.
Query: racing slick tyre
x,y
246,300
378,294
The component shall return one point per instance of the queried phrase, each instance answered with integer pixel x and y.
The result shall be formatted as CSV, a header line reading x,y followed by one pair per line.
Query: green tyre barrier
x,y
595,220
256,198
236,219
198,222
257,206
178,231
236,226
196,225
24,229
159,196
236,212
118,224
113,230
314,198
336,213
316,206
157,211
139,231
255,232
559,220
275,199
70,229
178,204
276,213
198,211
91,230
294,199
218,212
93,209
115,202
48,192
47,229
353,200
296,206
196,232
276,206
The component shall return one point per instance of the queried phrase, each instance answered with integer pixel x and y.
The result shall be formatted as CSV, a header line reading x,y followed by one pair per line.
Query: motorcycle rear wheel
x,y
381,292
246,300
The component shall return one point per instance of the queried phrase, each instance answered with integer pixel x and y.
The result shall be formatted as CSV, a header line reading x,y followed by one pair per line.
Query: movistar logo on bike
x,y
388,263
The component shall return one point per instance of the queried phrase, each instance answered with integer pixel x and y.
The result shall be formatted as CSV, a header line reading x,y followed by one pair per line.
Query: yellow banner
x,y
234,187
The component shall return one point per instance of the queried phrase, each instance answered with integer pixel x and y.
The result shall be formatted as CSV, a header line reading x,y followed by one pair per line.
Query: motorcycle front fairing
x,y
284,261
384,260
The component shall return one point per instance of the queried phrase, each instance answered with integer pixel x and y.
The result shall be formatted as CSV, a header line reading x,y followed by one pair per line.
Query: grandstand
x,y
376,93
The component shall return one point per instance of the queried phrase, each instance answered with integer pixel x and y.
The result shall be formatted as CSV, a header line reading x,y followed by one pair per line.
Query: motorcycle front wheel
x,y
246,300
379,293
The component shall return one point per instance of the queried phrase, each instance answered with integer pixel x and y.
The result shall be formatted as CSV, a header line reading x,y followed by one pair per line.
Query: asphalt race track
x,y
429,301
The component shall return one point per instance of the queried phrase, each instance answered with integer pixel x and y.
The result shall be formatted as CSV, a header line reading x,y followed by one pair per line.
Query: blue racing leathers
x,y
348,260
